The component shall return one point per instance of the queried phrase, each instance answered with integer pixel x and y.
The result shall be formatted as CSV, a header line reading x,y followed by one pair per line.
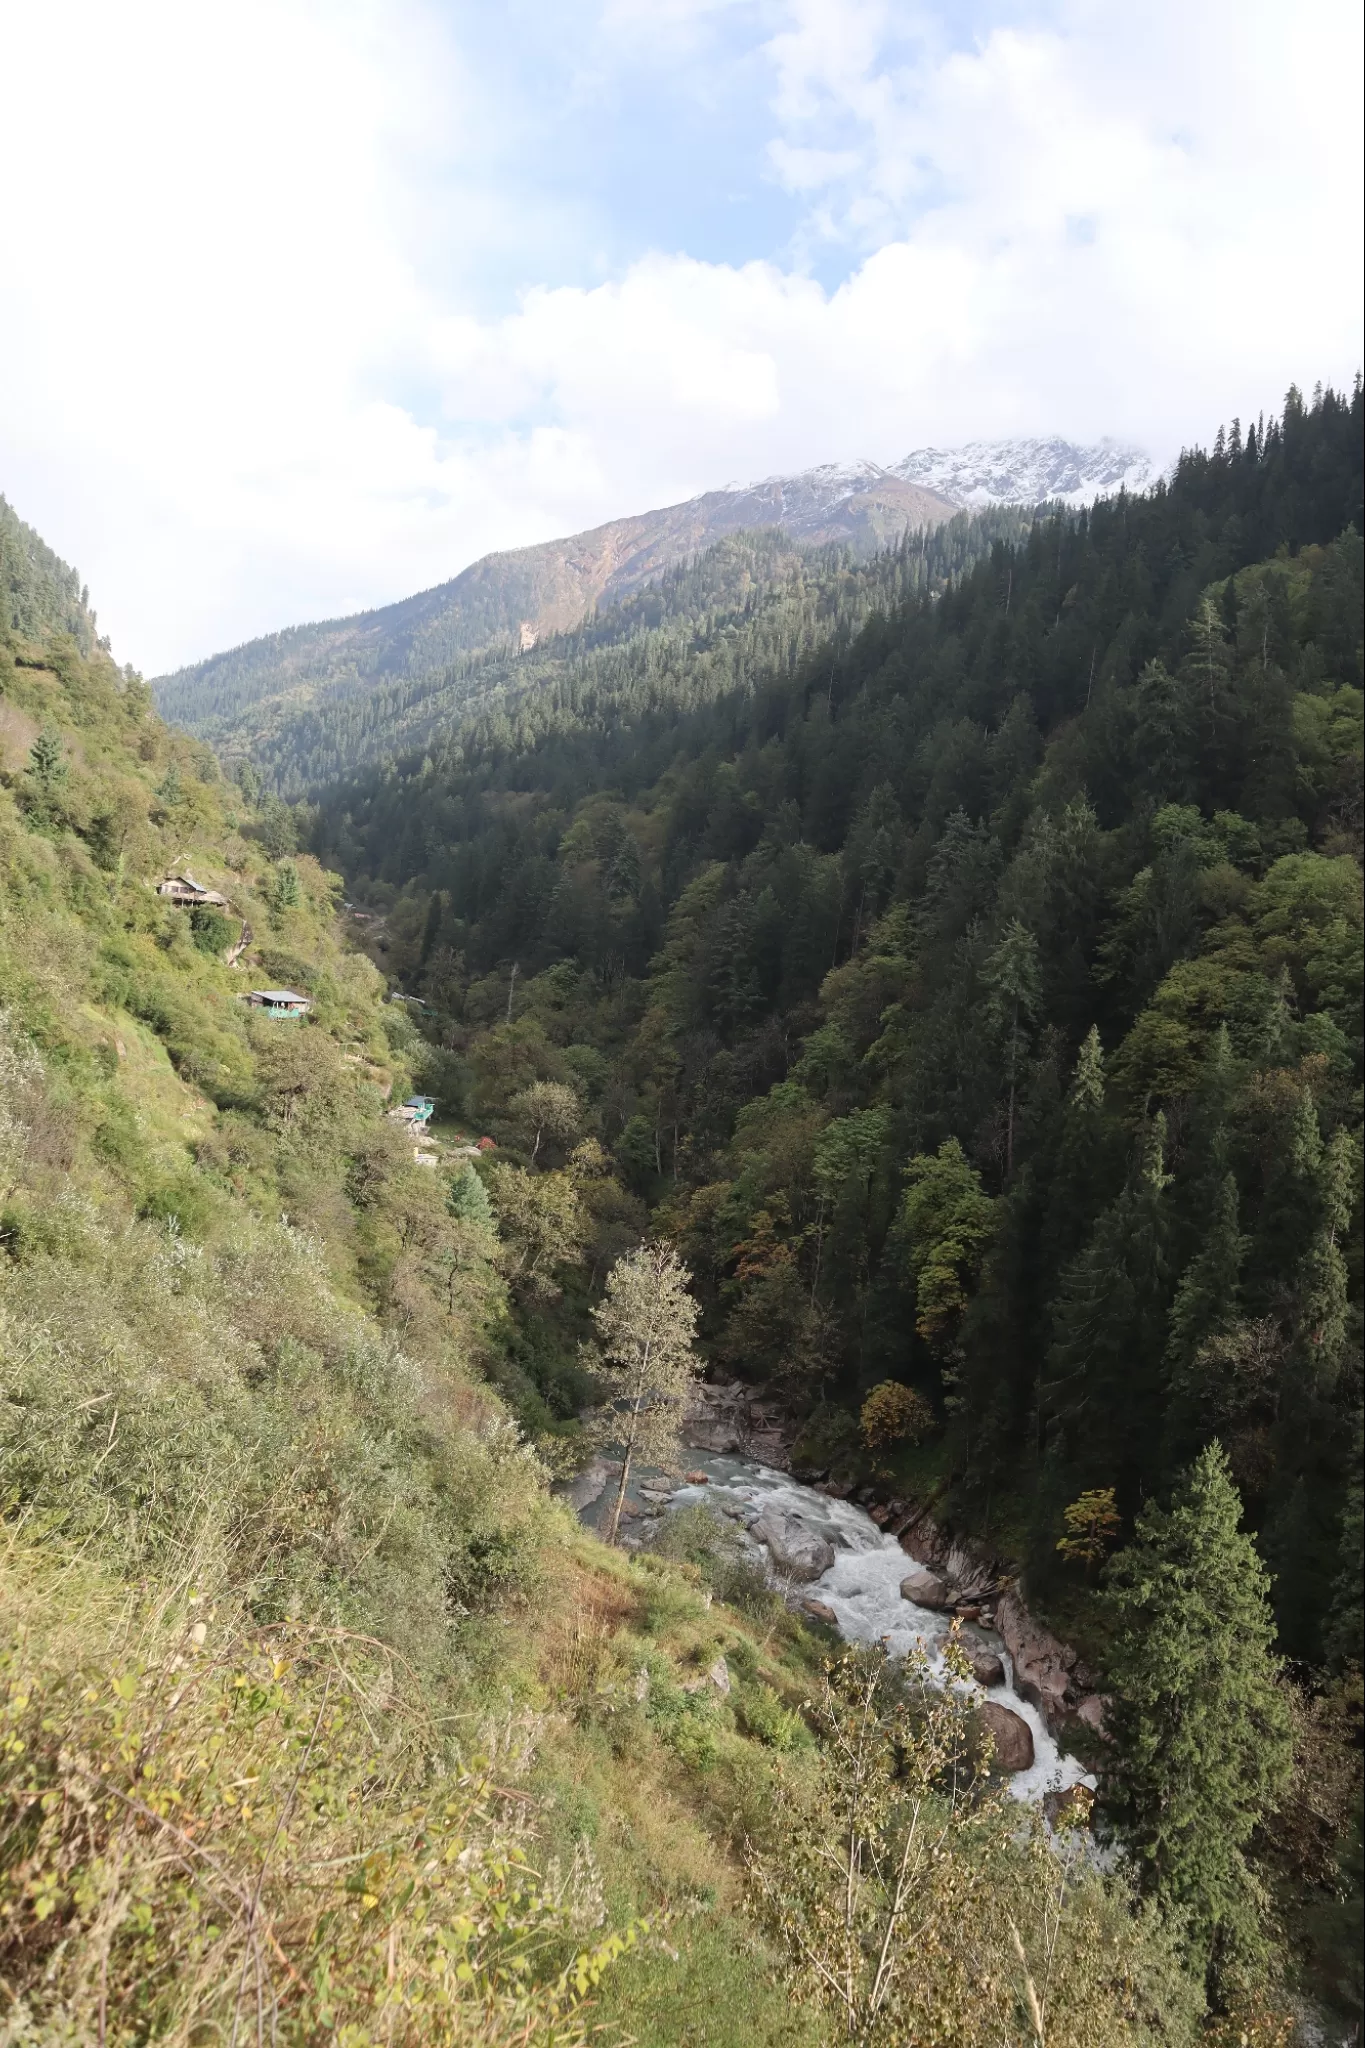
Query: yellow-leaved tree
x,y
647,1321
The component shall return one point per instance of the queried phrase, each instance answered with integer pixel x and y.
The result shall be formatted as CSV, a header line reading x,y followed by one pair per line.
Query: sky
x,y
306,304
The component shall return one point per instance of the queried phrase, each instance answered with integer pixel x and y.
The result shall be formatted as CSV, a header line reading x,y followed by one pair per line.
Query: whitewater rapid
x,y
863,1589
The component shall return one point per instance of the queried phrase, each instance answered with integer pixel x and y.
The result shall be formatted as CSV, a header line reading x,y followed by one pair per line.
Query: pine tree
x,y
1205,1305
1014,978
1101,1383
1200,1727
47,763
1320,1282
468,1198
1089,1160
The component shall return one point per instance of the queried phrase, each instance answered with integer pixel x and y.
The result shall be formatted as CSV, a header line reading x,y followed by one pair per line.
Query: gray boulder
x,y
798,1551
926,1589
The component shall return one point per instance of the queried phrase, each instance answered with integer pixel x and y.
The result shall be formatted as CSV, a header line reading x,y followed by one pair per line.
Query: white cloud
x,y
243,379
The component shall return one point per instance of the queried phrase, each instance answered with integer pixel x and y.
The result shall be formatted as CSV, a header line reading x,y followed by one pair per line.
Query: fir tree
x,y
468,1198
1200,1726
1103,1371
1205,1306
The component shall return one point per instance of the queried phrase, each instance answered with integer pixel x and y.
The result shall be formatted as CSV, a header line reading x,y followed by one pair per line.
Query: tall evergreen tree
x,y
1205,1304
1200,1726
1104,1371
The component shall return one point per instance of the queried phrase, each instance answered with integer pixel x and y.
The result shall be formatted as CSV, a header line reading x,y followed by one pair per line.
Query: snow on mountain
x,y
1009,472
1028,471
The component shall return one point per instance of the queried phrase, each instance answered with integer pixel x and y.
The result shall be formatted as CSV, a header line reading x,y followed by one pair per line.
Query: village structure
x,y
279,1002
184,889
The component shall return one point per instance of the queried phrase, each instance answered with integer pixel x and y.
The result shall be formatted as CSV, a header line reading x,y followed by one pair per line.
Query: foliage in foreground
x,y
209,1832
916,1904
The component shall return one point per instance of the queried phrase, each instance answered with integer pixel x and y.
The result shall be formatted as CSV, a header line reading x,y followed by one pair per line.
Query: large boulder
x,y
987,1668
1042,1665
1011,1734
798,1551
926,1589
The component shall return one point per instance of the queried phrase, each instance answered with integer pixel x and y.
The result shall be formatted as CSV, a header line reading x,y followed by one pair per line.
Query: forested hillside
x,y
751,599
939,981
1035,905
322,1720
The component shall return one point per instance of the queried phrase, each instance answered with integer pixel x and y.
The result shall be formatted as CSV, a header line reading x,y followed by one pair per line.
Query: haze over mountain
x,y
517,597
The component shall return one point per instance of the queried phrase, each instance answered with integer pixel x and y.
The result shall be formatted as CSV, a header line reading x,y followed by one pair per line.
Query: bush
x,y
895,1414
213,933
766,1718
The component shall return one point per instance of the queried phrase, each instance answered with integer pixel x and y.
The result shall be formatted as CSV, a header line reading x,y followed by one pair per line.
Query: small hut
x,y
184,890
415,1112
279,1002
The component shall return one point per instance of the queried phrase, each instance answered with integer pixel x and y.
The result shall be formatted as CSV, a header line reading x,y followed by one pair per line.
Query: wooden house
x,y
279,1002
183,889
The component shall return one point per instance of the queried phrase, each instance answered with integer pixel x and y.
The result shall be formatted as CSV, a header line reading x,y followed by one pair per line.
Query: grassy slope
x,y
196,1389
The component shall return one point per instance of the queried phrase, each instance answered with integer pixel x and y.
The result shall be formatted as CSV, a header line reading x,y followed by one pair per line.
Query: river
x,y
862,1586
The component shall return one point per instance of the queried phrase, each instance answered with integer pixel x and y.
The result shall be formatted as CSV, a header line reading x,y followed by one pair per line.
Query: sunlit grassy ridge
x,y
320,1714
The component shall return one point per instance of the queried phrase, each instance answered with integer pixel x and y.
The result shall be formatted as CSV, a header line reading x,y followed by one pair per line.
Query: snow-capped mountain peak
x,y
1028,471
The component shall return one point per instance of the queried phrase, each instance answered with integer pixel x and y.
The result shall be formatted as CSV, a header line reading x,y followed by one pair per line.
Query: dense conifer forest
x,y
927,992
976,995
750,602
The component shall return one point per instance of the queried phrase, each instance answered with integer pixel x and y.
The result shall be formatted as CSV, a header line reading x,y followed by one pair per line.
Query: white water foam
x,y
863,1589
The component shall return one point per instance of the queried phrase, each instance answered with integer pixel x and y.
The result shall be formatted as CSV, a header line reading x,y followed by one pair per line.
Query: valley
x,y
558,1202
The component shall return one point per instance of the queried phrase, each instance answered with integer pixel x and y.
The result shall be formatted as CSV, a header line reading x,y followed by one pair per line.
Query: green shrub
x,y
765,1717
213,933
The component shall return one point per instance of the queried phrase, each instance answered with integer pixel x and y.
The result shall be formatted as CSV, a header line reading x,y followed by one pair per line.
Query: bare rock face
x,y
926,1589
1012,1736
1042,1665
987,1668
1091,1711
799,1552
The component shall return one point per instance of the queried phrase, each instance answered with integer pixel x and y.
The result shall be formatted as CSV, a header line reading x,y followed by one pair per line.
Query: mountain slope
x,y
315,1703
509,600
739,602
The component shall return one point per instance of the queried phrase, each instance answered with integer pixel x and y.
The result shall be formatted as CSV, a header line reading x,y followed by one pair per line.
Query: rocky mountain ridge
x,y
516,597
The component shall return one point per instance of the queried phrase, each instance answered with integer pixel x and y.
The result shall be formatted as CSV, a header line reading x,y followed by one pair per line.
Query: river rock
x,y
1042,1664
1012,1736
696,1479
588,1485
720,1438
818,1611
987,1668
926,1589
798,1551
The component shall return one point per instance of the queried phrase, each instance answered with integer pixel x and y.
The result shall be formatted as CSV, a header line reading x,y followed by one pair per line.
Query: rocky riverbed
x,y
832,1560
